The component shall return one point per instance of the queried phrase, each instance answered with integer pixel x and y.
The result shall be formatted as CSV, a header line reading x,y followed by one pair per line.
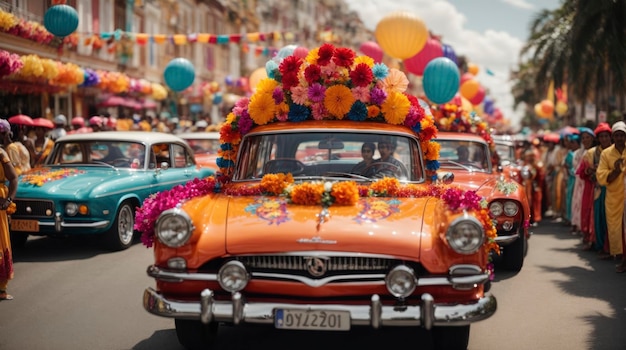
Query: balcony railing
x,y
19,12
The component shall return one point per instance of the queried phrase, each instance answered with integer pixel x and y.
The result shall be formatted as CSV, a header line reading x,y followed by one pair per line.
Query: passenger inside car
x,y
386,165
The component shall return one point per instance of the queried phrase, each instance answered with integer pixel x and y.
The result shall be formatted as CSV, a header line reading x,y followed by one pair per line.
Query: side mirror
x,y
446,178
165,165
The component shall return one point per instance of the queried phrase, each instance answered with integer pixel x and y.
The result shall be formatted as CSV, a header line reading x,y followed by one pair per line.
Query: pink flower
x,y
361,93
318,110
299,94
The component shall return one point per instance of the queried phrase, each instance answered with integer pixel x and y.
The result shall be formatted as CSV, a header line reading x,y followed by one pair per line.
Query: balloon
x,y
301,52
217,98
256,76
61,20
466,105
478,97
179,74
469,88
539,111
561,108
488,106
401,34
228,80
448,52
547,107
417,63
465,77
441,80
472,69
373,50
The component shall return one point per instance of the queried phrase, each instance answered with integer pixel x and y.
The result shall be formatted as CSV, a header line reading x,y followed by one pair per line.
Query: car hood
x,y
488,185
61,182
264,225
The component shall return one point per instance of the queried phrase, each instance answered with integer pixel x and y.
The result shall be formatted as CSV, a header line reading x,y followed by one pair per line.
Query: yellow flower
x,y
262,108
373,111
395,108
395,81
11,209
363,59
431,150
307,193
266,85
338,100
276,183
230,118
387,186
345,193
282,108
7,21
312,56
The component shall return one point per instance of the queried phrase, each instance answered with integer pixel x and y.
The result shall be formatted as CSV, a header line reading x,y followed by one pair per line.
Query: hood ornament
x,y
322,217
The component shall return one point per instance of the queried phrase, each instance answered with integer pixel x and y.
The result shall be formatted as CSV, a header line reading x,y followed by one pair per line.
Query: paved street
x,y
70,294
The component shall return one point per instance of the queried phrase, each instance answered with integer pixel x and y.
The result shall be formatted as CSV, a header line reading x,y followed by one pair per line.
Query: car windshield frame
x,y
324,154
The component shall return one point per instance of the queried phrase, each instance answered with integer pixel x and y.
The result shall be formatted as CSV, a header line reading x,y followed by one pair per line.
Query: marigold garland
x,y
40,176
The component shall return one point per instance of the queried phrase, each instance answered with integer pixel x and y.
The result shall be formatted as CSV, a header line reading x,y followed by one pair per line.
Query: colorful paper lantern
x,y
547,107
373,50
441,80
472,69
179,74
401,34
561,108
448,52
469,88
417,63
478,97
61,20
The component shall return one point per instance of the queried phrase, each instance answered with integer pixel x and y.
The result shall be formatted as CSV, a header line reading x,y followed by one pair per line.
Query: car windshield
x,y
506,151
119,154
204,146
464,154
355,155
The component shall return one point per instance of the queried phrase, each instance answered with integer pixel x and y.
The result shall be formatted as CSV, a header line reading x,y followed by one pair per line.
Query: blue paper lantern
x,y
179,74
441,80
61,20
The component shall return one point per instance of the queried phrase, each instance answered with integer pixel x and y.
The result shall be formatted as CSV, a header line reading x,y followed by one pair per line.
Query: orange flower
x,y
307,193
345,193
276,183
387,186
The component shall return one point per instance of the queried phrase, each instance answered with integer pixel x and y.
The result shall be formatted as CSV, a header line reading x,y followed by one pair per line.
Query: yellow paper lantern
x,y
561,108
401,34
256,76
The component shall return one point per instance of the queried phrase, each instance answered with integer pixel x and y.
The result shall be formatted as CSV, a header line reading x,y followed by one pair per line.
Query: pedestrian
x,y
570,166
43,145
585,175
96,123
18,153
60,122
587,138
7,175
610,173
598,217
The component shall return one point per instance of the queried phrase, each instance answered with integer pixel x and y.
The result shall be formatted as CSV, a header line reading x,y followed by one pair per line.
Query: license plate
x,y
325,320
25,225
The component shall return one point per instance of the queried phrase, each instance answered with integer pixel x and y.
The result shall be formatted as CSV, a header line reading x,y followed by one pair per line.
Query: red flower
x,y
344,57
290,65
413,100
428,133
325,54
312,74
361,75
290,80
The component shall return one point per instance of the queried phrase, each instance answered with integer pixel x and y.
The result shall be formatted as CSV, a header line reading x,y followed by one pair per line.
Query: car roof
x,y
450,135
202,135
136,136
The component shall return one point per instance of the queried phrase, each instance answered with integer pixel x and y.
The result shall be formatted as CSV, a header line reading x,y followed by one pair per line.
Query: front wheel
x,y
513,255
195,335
120,236
451,338
18,239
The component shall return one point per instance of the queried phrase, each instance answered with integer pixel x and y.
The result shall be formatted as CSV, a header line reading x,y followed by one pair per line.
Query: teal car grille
x,y
34,208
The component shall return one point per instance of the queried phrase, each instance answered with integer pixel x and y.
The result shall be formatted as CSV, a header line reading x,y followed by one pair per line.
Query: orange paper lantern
x,y
401,34
469,88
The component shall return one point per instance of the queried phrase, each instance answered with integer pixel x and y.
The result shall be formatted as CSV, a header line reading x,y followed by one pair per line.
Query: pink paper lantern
x,y
373,50
417,63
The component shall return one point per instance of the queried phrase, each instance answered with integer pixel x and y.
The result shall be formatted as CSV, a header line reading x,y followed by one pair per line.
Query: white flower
x,y
328,186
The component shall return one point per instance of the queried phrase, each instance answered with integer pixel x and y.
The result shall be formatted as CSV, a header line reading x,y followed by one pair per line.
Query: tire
x,y
513,257
450,338
195,335
18,240
120,236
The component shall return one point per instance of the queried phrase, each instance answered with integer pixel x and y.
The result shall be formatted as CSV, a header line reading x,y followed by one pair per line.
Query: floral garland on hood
x,y
331,83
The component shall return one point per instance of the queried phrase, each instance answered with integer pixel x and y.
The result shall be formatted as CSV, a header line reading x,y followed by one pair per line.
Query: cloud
x,y
520,4
493,50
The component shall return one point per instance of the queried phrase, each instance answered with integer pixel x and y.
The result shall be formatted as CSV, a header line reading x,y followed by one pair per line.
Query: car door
x,y
173,165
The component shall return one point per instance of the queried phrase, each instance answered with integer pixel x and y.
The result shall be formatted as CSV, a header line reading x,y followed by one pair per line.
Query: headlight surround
x,y
465,235
401,281
510,208
233,276
173,228
71,209
496,209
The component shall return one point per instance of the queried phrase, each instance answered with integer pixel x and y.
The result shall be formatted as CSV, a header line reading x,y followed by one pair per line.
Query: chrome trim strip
x,y
97,224
506,239
238,311
323,253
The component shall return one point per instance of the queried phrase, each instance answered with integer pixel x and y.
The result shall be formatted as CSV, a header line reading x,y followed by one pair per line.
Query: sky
x,y
490,33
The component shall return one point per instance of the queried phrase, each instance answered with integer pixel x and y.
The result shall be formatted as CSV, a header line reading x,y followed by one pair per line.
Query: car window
x,y
204,146
464,153
182,158
327,154
120,154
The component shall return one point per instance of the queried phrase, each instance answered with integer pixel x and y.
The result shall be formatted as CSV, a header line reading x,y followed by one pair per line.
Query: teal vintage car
x,y
91,184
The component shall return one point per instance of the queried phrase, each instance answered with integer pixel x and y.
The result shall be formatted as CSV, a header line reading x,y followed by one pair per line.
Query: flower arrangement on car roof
x,y
452,117
331,83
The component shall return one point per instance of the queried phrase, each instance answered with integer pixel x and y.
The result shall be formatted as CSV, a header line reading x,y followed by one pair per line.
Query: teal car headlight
x,y
173,228
465,234
71,209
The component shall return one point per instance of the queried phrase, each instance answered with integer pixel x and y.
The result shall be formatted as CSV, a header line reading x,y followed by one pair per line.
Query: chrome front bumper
x,y
236,310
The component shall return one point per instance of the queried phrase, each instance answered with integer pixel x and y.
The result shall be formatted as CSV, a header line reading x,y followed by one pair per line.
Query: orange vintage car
x,y
469,158
205,147
286,240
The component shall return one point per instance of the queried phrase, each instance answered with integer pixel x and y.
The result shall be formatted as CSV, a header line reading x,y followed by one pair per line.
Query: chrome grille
x,y
333,263
38,208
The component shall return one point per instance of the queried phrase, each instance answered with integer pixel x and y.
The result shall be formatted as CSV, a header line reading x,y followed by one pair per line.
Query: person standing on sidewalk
x,y
7,175
610,173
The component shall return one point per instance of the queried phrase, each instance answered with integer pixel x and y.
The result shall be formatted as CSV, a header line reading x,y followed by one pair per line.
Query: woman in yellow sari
x,y
7,175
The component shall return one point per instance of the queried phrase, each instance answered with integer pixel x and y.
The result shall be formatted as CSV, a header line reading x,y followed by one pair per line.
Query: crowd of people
x,y
578,180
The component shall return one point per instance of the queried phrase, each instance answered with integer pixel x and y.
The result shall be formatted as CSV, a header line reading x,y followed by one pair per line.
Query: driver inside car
x,y
386,165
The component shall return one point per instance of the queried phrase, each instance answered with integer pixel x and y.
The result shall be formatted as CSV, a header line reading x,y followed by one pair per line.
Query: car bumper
x,y
236,310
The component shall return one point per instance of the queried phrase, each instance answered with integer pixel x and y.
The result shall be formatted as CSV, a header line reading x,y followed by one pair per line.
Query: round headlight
x,y
465,235
495,209
173,228
401,281
233,276
71,209
510,208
